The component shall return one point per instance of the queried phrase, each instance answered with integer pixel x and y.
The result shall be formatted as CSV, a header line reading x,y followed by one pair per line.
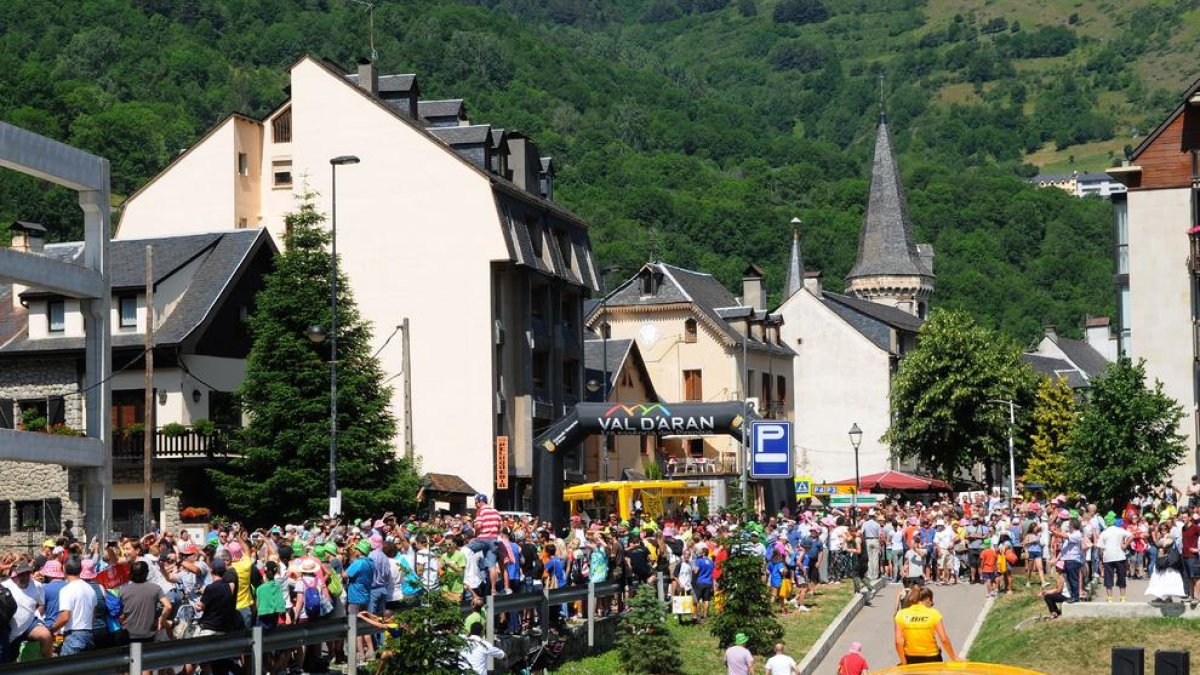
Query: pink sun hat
x,y
89,569
52,569
376,541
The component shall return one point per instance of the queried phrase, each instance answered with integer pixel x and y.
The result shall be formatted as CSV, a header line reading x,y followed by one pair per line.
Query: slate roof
x,y
453,107
896,318
447,483
390,83
795,273
474,134
701,290
885,246
1052,367
222,256
1083,355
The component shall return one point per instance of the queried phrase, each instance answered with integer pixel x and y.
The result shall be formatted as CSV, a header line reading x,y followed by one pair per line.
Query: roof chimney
x,y
367,77
752,288
27,237
1051,333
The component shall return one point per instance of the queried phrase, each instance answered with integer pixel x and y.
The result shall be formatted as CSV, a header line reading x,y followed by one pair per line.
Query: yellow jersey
x,y
245,595
918,622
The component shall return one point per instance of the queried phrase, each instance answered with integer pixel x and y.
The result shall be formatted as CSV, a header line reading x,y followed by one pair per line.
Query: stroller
x,y
542,656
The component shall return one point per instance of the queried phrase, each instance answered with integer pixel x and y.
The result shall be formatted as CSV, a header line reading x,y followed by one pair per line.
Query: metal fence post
x,y
544,609
135,658
491,626
352,643
591,618
256,634
659,576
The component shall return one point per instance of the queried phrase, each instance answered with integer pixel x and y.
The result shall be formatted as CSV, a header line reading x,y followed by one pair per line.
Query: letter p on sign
x,y
771,449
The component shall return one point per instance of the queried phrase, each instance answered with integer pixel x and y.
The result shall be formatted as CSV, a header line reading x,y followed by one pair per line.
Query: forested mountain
x,y
686,130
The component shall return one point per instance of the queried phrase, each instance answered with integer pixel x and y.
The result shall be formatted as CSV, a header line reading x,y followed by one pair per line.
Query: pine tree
x,y
429,640
646,645
282,472
1054,415
747,601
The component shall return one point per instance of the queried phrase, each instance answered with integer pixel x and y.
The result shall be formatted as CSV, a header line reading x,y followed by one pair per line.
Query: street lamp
x,y
1012,462
604,358
319,335
855,440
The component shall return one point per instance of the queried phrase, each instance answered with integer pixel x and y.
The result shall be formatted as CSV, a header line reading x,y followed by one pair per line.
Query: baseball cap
x,y
481,498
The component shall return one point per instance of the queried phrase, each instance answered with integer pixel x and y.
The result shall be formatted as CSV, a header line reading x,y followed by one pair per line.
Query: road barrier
x,y
254,642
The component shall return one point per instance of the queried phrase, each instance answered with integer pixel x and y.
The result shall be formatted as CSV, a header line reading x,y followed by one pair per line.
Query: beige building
x,y
609,457
849,346
692,334
445,222
1158,262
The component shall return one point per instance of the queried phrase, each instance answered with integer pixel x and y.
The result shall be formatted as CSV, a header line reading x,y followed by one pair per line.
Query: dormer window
x,y
649,280
128,307
56,315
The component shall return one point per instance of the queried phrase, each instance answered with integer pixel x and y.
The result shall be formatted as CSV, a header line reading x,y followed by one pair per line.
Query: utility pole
x,y
745,477
407,366
148,424
1012,461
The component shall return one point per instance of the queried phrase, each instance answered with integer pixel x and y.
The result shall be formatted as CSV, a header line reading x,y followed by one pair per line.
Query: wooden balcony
x,y
186,445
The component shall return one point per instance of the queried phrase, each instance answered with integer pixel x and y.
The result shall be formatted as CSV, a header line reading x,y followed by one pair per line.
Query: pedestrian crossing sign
x,y
804,487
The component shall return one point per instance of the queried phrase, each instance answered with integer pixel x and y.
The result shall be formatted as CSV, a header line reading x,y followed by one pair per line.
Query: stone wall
x,y
37,379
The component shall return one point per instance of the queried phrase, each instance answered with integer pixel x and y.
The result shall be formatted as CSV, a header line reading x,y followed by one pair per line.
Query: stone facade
x,y
39,380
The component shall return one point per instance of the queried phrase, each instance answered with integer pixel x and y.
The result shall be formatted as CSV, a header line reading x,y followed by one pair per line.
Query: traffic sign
x,y
825,489
803,487
770,449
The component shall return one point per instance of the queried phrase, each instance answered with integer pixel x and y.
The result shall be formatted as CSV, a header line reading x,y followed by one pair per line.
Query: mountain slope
x,y
686,130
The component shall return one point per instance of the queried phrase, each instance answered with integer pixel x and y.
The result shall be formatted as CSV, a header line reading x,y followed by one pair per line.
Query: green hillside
x,y
686,130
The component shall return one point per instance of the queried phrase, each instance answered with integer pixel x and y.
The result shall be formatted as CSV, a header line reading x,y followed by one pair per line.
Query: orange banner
x,y
502,462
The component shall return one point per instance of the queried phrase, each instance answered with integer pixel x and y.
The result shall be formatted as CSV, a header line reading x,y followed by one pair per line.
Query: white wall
x,y
417,230
1161,303
168,382
841,378
223,373
194,195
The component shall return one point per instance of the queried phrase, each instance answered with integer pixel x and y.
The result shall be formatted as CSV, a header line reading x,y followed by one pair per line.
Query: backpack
x,y
335,583
579,572
8,606
312,598
537,569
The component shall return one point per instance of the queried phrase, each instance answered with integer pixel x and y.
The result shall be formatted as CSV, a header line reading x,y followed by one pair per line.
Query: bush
x,y
173,430
428,642
800,12
645,643
204,426
747,602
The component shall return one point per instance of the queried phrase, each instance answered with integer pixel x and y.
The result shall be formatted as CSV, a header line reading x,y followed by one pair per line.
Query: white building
x,y
1158,262
849,346
444,222
1081,184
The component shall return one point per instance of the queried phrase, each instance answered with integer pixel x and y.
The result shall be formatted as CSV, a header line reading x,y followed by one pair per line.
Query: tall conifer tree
x,y
282,473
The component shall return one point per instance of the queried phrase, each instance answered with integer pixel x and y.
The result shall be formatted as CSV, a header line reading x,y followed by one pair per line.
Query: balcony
x,y
188,444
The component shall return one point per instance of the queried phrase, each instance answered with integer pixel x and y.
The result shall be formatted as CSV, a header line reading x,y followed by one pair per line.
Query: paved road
x,y
873,627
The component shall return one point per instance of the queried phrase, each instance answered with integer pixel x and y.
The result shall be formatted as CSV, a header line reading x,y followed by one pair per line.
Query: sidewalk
x,y
873,627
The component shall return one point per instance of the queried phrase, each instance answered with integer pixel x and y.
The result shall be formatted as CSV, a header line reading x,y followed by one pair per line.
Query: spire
x,y
885,246
795,274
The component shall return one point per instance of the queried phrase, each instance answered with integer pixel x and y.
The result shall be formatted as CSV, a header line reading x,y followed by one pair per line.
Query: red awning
x,y
897,480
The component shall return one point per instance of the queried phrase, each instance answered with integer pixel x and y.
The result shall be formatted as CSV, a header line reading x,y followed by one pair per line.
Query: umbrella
x,y
896,480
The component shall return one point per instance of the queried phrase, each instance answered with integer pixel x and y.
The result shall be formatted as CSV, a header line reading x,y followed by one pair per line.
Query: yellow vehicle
x,y
657,497
956,668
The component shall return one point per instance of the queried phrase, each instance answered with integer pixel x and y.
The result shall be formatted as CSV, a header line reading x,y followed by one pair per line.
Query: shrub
x,y
428,642
173,430
747,603
645,643
800,12
204,426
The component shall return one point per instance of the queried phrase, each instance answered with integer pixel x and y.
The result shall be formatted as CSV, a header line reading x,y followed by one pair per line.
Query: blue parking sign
x,y
770,449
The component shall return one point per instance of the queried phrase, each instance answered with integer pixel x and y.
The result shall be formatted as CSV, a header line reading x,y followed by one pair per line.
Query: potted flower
x,y
173,430
195,514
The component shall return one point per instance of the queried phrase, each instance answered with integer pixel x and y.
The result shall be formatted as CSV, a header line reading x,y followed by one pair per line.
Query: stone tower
x,y
890,268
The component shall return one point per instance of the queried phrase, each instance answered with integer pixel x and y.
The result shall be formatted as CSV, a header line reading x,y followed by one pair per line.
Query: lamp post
x,y
1012,462
855,440
318,334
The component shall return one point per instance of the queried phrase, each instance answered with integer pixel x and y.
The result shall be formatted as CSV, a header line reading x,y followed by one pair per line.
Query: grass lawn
x,y
699,649
1072,646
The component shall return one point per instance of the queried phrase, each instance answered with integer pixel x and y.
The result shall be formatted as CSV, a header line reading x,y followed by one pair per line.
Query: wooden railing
x,y
188,444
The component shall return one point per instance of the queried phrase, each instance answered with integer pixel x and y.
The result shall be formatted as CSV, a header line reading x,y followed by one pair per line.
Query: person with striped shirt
x,y
487,530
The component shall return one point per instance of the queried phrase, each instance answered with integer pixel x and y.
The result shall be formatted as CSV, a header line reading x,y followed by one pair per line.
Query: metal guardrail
x,y
138,657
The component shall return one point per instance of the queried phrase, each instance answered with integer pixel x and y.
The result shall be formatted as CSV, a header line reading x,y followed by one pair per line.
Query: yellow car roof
x,y
956,668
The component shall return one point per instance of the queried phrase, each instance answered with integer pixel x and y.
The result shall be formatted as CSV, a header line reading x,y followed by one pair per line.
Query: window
x,y
281,127
129,306
567,250
751,383
606,330
7,418
767,399
223,409
128,408
649,282
243,164
281,171
781,389
241,224
5,517
696,447
693,385
39,413
689,330
56,314
39,515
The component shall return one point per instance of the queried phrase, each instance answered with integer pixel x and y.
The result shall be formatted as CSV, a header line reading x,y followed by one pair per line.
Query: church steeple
x,y
795,273
890,268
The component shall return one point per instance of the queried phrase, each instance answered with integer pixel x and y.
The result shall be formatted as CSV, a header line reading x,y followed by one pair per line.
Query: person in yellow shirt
x,y
919,629
240,562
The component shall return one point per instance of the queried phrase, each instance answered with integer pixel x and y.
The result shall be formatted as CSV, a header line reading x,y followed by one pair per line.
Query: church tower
x,y
890,269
